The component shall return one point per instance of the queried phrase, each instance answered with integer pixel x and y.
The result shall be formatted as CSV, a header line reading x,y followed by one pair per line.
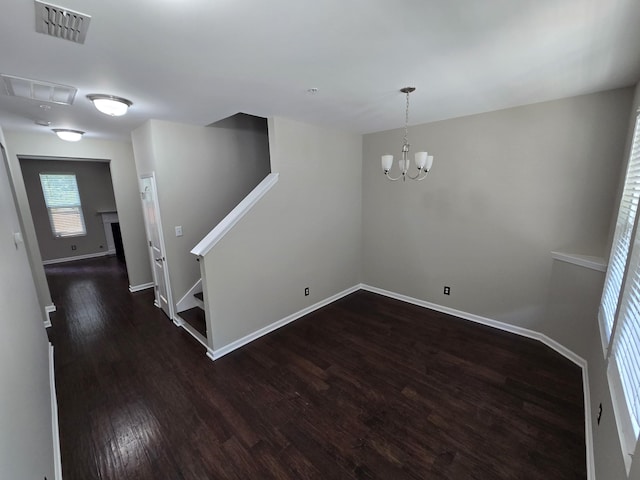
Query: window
x,y
63,204
619,313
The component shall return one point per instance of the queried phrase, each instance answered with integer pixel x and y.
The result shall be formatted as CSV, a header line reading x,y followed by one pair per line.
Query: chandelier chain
x,y
406,122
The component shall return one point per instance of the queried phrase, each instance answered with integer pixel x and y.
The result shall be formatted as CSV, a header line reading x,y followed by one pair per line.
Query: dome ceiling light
x,y
110,104
68,135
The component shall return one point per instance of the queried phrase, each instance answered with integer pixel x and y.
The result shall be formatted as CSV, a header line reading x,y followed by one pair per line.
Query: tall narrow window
x,y
62,199
624,360
620,309
621,241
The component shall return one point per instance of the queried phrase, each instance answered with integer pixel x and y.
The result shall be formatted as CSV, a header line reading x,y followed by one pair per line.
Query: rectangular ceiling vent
x,y
61,22
37,90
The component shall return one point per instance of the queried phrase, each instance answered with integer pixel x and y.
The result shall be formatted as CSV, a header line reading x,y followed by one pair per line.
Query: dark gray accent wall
x,y
96,194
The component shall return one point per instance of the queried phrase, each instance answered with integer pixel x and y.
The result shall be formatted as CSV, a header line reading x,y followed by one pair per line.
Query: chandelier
x,y
423,160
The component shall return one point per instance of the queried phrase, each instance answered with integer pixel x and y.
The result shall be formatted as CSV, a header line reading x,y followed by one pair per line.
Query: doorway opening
x,y
72,204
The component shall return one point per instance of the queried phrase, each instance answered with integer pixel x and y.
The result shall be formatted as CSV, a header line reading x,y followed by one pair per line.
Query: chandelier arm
x,y
391,178
421,175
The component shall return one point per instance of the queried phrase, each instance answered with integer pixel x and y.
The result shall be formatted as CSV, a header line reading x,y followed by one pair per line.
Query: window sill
x,y
587,261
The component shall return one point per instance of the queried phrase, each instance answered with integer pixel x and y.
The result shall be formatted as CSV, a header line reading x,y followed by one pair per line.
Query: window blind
x,y
621,241
626,343
62,200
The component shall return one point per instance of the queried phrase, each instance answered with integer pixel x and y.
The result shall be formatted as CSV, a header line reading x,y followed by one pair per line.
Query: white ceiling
x,y
198,61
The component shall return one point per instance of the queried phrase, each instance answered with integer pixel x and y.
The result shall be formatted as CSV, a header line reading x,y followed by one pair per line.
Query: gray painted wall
x,y
96,194
26,441
125,189
202,173
507,188
305,232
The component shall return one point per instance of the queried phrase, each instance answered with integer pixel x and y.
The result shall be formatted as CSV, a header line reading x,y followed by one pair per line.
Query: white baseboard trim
x,y
588,424
211,354
188,300
139,288
77,257
215,354
48,309
55,430
524,332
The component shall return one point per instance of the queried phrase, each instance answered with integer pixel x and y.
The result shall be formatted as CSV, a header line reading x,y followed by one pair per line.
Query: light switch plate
x,y
17,239
178,231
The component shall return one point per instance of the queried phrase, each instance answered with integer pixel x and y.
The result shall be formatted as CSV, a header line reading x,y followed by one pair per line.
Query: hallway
x,y
366,387
122,374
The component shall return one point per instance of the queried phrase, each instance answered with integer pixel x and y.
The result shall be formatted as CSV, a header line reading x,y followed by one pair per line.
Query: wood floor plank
x,y
364,388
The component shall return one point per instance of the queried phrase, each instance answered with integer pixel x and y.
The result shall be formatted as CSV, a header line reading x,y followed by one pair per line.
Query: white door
x,y
156,244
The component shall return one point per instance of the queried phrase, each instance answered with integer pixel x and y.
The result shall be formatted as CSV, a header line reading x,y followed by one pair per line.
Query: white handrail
x,y
234,216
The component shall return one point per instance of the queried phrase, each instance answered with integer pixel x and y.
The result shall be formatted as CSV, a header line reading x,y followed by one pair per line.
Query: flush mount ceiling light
x,y
422,159
110,104
68,135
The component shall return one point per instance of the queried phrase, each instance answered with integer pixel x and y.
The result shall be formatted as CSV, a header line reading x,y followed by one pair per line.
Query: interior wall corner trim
x,y
55,430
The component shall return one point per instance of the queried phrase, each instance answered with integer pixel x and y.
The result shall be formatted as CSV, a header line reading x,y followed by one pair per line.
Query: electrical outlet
x,y
447,290
73,247
306,292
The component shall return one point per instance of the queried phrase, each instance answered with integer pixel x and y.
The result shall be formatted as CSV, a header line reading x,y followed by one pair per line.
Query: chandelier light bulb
x,y
387,162
421,159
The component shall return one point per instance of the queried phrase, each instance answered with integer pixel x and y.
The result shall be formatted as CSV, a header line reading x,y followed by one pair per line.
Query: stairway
x,y
195,317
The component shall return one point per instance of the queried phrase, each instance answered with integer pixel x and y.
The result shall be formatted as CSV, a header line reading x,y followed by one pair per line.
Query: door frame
x,y
156,204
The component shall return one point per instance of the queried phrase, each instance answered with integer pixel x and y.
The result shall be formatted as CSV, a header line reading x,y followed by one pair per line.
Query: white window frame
x,y
72,207
619,314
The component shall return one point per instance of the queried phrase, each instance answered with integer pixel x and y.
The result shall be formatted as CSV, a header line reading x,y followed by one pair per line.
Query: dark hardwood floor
x,y
365,388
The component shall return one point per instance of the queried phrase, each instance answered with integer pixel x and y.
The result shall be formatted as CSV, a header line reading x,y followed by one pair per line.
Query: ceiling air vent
x,y
61,22
37,90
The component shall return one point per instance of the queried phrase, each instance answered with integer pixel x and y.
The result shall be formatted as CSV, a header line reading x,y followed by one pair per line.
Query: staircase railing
x,y
234,216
